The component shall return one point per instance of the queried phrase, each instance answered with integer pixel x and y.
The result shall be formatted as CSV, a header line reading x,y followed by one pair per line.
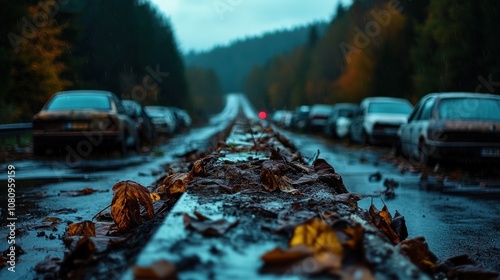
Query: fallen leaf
x,y
292,254
128,196
207,226
158,270
175,184
417,250
317,235
463,267
85,228
327,175
382,220
398,224
84,191
75,260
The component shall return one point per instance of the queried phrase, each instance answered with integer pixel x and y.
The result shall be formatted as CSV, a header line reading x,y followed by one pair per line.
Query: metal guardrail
x,y
14,130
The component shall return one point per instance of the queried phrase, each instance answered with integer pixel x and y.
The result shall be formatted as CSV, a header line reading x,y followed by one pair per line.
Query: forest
x,y
123,46
399,48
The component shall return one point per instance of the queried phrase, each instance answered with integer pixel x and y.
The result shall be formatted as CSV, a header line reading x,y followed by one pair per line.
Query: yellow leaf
x,y
154,196
317,235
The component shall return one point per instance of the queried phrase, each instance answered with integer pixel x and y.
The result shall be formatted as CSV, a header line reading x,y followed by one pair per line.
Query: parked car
x,y
378,119
144,124
318,115
452,126
89,119
182,118
282,118
339,121
300,116
163,119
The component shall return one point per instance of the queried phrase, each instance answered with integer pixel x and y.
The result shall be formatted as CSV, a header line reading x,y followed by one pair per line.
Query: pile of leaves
x,y
327,233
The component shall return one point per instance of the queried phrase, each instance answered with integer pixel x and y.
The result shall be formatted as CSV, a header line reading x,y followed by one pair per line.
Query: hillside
x,y
232,63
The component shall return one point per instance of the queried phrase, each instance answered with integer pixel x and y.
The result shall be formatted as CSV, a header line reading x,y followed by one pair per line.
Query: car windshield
x,y
470,109
345,112
75,102
389,108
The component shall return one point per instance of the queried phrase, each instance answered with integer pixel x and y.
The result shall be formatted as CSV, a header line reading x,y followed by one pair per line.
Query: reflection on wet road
x,y
452,224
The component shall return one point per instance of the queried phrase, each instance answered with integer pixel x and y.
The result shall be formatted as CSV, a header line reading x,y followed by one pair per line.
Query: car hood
x,y
70,115
387,118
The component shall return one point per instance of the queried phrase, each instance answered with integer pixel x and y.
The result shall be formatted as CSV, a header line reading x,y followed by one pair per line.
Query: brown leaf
x,y
85,228
207,226
417,250
291,255
350,199
382,220
128,196
175,183
158,270
81,254
463,267
271,180
322,167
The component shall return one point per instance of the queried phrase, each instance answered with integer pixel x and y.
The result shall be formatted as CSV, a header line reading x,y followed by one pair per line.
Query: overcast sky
x,y
203,24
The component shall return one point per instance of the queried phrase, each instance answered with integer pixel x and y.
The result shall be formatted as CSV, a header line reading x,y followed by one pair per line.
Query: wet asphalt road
x,y
452,223
460,219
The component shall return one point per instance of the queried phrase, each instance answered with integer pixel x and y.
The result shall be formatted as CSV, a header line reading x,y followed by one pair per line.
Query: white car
x,y
378,120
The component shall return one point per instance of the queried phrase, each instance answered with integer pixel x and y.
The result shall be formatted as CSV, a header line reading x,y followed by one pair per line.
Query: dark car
x,y
339,121
318,115
300,117
85,120
145,127
452,127
378,119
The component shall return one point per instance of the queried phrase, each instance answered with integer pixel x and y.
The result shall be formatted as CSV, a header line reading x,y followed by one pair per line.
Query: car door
x,y
407,129
357,124
420,125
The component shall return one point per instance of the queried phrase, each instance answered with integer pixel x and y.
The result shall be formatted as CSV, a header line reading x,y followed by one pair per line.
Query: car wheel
x,y
122,146
424,156
365,138
397,148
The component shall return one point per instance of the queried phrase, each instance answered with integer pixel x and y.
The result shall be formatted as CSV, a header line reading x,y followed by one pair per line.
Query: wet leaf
x,y
317,235
417,250
327,175
85,228
355,237
272,180
463,267
128,197
292,254
207,226
382,220
175,184
82,253
398,224
154,196
158,270
49,223
350,199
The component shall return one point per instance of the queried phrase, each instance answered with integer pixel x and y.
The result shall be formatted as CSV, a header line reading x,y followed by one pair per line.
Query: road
x,y
459,219
451,223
